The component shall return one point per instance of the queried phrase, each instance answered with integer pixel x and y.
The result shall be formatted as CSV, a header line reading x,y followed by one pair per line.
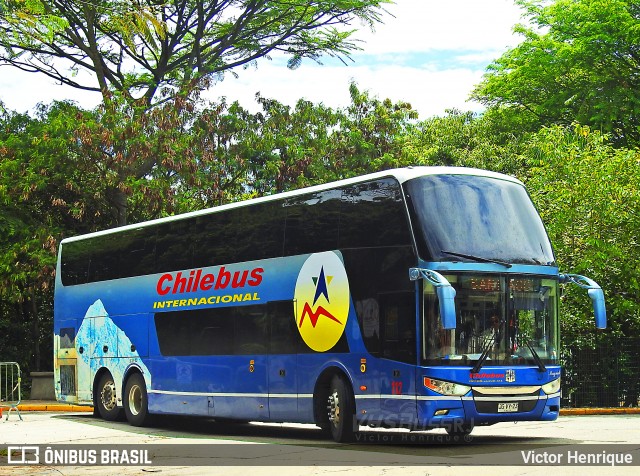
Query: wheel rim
x,y
108,395
135,400
334,408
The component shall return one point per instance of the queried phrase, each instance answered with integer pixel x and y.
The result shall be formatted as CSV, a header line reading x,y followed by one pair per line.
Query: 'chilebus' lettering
x,y
197,280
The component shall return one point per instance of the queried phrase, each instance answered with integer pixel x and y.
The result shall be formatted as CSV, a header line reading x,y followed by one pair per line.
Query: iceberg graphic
x,y
97,331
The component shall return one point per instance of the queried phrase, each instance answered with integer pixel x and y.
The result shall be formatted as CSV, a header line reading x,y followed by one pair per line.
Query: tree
x,y
292,147
151,48
141,54
587,194
373,135
579,62
283,148
39,202
133,154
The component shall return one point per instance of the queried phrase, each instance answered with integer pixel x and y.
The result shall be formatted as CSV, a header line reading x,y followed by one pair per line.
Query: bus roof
x,y
400,174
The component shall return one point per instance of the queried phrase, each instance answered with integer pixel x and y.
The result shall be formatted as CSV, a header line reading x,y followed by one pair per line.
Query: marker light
x,y
446,388
552,387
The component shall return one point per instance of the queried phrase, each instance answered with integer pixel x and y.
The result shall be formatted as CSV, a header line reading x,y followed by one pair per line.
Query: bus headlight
x,y
551,387
446,388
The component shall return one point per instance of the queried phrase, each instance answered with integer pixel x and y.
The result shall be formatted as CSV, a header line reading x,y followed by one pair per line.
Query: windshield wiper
x,y
535,356
483,356
477,258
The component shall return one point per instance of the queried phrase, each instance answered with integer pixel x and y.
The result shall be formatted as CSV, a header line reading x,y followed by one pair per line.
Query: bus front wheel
x,y
136,403
106,398
460,430
341,410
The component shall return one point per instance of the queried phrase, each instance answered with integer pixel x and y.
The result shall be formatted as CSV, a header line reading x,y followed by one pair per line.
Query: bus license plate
x,y
507,407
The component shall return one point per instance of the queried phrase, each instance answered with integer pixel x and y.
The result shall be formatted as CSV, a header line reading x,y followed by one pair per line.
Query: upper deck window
x,y
364,215
482,217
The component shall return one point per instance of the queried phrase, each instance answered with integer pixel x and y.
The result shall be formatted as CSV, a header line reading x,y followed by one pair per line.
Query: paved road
x,y
282,450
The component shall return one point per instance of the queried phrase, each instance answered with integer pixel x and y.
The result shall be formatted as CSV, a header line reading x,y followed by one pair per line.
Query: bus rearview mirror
x,y
595,293
445,292
446,298
599,309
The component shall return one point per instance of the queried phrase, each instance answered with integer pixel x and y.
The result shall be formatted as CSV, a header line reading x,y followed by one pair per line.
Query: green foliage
x,y
220,145
374,135
578,63
148,57
134,154
587,193
311,144
36,197
38,204
292,147
34,16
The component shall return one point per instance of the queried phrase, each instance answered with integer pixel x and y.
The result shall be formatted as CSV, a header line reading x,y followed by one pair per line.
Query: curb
x,y
52,407
600,411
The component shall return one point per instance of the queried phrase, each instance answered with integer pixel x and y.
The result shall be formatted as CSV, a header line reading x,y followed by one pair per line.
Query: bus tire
x,y
460,430
135,401
106,398
341,410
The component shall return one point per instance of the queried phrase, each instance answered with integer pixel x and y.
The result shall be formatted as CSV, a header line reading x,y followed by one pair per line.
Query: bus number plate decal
x,y
507,407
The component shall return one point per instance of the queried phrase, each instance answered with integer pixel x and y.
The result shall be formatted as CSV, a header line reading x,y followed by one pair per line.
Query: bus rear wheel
x,y
106,398
136,403
341,410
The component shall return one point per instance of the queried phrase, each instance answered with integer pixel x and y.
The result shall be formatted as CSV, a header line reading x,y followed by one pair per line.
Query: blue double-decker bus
x,y
423,297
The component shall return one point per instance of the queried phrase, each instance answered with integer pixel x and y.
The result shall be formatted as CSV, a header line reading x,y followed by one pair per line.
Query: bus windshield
x,y
473,218
513,319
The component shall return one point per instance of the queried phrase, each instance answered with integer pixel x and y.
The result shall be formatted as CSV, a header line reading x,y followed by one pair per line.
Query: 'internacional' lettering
x,y
197,280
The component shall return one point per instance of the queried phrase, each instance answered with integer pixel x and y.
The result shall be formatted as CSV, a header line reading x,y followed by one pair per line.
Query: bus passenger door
x,y
398,397
398,369
73,373
283,362
283,398
66,364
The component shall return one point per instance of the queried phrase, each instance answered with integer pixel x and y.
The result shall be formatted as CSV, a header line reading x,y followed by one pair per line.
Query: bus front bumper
x,y
478,410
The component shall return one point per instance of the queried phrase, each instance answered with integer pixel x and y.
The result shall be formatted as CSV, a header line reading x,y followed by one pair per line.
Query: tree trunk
x,y
118,201
35,329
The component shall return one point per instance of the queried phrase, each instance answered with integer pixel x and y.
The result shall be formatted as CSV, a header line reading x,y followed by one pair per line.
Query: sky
x,y
429,53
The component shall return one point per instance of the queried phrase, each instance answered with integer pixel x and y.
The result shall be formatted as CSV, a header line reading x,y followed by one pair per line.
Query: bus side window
x,y
251,330
138,253
284,336
76,256
173,333
260,233
373,215
174,246
212,331
67,338
239,330
385,318
104,262
312,223
238,235
399,326
368,311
